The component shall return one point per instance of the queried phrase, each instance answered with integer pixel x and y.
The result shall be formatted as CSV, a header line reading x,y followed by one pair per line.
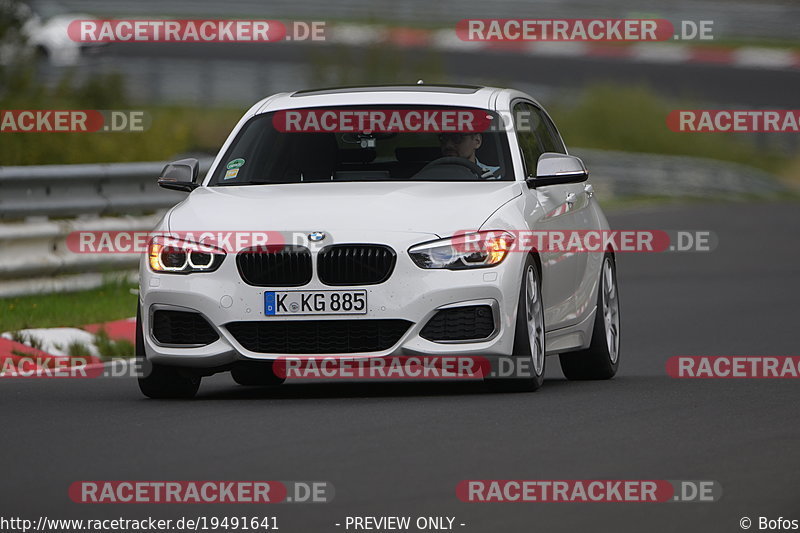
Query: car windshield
x,y
367,143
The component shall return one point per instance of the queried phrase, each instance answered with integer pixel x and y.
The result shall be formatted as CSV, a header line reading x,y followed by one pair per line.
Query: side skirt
x,y
571,338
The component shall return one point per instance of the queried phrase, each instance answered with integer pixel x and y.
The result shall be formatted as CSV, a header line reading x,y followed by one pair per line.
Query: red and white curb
x,y
117,330
650,52
52,343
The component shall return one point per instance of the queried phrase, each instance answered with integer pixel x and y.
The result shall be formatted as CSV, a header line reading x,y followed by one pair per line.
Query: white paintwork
x,y
552,164
386,206
400,214
51,35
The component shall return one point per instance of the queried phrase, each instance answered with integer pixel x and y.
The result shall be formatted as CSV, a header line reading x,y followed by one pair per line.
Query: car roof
x,y
417,87
421,94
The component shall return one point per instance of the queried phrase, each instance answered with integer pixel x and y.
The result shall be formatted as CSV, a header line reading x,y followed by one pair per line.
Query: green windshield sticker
x,y
236,163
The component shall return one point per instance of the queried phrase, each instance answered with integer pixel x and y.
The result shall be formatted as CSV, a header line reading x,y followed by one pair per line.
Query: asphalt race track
x,y
400,449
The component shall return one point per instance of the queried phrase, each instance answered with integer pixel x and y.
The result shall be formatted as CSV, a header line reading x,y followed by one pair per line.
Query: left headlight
x,y
473,250
175,256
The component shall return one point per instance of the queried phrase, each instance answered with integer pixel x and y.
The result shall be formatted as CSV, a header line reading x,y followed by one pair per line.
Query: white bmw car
x,y
367,195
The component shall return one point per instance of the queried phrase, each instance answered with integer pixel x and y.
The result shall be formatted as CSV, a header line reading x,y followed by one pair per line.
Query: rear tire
x,y
601,359
160,381
256,373
529,336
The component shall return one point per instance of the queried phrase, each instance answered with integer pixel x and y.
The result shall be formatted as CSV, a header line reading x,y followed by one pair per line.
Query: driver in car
x,y
465,145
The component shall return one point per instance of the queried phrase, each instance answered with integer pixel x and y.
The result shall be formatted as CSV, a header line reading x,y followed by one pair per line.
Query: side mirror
x,y
554,169
180,175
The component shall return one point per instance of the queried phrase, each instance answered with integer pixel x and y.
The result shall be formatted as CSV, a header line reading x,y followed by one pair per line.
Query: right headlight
x,y
177,256
473,250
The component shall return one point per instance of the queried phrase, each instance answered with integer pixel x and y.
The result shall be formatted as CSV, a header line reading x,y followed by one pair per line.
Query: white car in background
x,y
376,213
44,25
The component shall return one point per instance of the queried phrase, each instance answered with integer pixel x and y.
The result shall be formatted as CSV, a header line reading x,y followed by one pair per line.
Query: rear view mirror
x,y
553,169
180,175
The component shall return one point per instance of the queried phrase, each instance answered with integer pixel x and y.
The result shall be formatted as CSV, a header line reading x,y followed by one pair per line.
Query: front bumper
x,y
411,294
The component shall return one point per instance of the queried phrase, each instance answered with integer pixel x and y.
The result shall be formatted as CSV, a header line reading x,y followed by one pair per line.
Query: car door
x,y
559,267
587,264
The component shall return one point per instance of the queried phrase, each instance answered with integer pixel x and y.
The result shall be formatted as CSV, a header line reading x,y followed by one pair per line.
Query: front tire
x,y
529,336
601,359
160,381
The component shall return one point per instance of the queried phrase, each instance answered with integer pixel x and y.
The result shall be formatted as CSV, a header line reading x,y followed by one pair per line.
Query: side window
x,y
544,130
556,143
529,143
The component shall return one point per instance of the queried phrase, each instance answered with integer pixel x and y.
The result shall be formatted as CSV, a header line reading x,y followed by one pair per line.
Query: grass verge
x,y
172,129
633,119
607,116
112,301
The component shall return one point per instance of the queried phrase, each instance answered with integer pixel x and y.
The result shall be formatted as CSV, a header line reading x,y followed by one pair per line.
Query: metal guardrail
x,y
41,205
621,174
34,256
71,190
36,201
131,188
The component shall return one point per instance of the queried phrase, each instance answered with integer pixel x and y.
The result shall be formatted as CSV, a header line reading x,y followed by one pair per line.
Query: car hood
x,y
439,208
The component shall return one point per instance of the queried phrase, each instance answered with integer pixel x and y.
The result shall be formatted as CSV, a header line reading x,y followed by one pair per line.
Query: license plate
x,y
281,303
